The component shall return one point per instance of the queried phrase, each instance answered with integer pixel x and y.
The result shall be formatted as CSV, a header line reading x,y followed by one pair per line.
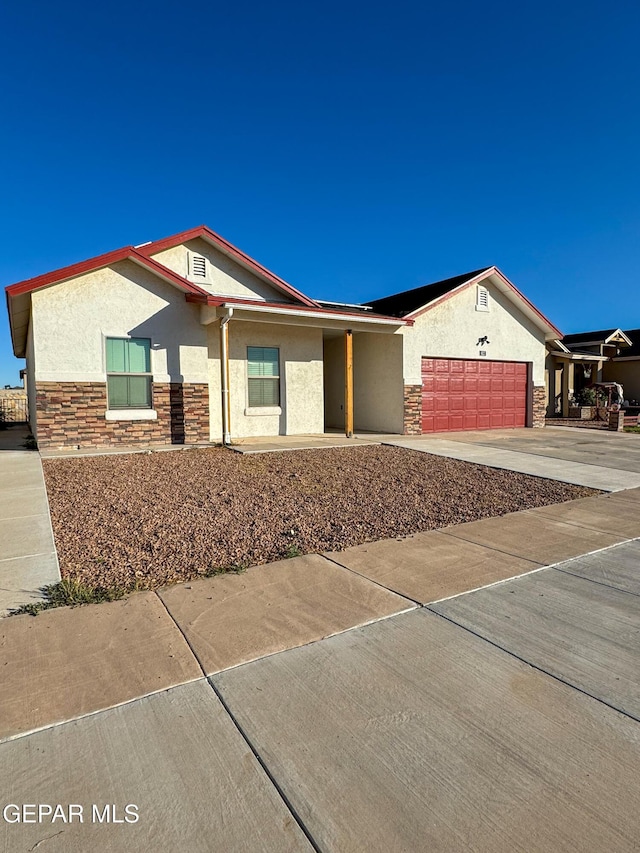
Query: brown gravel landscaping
x,y
157,518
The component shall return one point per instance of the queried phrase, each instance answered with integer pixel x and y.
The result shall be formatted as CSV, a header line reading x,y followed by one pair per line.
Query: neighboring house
x,y
578,360
625,367
188,340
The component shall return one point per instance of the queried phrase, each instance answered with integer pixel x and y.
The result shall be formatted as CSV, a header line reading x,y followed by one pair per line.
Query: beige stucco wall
x,y
377,382
301,371
627,373
452,329
31,381
334,382
72,319
224,276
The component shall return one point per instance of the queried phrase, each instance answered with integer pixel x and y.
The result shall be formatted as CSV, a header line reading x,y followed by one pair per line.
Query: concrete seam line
x,y
487,585
572,523
377,583
374,621
520,557
26,556
294,813
19,517
533,571
87,714
184,636
593,580
533,665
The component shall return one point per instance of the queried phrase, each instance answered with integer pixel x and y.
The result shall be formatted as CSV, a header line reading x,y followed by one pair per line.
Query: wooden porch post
x,y
567,385
348,383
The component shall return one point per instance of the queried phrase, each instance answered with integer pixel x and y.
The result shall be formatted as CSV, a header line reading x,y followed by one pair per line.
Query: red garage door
x,y
458,394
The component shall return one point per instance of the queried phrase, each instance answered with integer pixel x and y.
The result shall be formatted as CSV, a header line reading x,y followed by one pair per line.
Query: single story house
x,y
578,360
189,340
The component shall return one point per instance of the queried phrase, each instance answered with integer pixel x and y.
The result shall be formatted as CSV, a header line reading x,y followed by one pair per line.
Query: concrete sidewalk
x,y
28,559
180,633
337,708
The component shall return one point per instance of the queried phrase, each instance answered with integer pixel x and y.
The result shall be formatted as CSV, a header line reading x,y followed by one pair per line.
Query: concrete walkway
x,y
602,460
315,704
28,559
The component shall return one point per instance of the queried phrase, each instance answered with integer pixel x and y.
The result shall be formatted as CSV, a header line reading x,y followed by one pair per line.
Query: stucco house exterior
x,y
189,340
580,359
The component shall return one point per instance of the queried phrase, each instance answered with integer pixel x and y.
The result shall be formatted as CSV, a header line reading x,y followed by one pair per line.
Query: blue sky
x,y
355,149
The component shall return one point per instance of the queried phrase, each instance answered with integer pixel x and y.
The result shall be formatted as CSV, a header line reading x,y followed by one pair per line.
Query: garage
x,y
460,394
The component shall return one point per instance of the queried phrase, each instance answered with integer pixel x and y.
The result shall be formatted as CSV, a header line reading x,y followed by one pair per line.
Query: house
x,y
578,360
189,340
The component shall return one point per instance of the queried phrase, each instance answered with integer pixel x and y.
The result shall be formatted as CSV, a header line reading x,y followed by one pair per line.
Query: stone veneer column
x,y
71,414
539,405
412,421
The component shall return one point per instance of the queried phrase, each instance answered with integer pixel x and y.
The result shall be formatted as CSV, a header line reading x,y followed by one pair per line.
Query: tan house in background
x,y
578,360
189,340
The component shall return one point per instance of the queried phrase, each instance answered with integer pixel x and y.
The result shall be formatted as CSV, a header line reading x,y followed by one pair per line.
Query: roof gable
x,y
408,301
19,295
602,336
231,251
413,303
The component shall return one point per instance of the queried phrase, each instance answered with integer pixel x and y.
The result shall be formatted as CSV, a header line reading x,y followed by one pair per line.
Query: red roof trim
x,y
226,246
99,262
475,280
218,301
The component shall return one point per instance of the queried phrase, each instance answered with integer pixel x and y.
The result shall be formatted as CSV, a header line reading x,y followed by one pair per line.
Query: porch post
x,y
348,383
567,385
224,370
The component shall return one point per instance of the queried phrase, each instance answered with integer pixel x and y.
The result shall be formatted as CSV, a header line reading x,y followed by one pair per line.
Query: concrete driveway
x,y
598,458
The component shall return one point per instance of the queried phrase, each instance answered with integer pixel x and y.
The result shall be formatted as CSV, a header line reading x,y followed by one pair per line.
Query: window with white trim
x,y
129,378
482,298
263,372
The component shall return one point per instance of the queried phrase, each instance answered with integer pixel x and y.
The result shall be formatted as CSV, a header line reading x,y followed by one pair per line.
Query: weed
x,y
292,551
632,429
70,592
30,442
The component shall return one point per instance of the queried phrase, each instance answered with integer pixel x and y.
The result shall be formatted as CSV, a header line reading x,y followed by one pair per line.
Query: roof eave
x,y
290,309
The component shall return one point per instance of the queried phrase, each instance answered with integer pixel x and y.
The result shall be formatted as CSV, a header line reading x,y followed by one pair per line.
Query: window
x,y
129,373
482,299
264,376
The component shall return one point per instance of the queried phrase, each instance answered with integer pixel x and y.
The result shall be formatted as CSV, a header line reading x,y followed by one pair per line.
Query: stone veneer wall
x,y
73,414
413,410
539,405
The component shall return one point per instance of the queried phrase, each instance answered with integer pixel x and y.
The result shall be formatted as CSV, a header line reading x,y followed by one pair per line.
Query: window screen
x,y
264,376
129,373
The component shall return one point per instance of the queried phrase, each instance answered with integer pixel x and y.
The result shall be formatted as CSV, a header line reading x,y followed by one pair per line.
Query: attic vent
x,y
199,266
482,299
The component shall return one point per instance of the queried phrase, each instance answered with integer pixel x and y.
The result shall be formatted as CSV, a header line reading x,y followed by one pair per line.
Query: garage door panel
x,y
462,394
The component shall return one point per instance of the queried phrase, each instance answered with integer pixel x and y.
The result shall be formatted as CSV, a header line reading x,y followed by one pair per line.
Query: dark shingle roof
x,y
401,304
584,337
634,337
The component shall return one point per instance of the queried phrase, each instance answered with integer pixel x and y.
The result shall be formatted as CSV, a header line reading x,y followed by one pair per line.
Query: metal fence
x,y
14,408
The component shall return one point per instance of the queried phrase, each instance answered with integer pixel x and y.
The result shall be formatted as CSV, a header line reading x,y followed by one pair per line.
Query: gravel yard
x,y
156,518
